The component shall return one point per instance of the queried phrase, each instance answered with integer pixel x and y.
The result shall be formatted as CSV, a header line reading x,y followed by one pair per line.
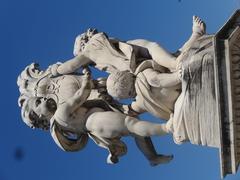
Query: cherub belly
x,y
74,121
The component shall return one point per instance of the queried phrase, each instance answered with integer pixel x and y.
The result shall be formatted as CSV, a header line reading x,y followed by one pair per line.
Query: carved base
x,y
227,78
208,111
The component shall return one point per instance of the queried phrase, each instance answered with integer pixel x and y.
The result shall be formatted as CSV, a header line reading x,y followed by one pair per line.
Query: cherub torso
x,y
60,88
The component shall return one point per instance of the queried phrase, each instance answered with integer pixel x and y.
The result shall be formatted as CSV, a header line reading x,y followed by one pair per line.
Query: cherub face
x,y
43,106
82,39
80,43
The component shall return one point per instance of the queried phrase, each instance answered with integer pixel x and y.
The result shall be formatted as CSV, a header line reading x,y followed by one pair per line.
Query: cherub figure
x,y
113,55
64,104
154,90
158,71
72,117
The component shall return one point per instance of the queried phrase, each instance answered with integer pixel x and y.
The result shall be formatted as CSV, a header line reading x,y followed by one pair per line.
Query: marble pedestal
x,y
210,114
227,81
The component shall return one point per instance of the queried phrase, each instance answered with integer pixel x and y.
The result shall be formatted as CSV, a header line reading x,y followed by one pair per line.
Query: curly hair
x,y
121,84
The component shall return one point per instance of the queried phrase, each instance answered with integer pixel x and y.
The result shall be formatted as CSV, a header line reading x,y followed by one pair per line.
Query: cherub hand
x,y
86,82
54,68
86,71
86,76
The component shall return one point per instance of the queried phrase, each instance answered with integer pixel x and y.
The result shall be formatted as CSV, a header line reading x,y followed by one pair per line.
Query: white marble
x,y
74,106
64,105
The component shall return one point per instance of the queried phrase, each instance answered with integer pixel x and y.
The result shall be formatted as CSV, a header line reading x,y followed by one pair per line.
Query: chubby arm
x,y
80,96
72,65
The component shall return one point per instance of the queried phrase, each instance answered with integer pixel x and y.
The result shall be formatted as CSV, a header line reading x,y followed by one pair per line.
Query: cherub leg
x,y
113,124
161,56
165,59
145,128
145,145
198,29
156,51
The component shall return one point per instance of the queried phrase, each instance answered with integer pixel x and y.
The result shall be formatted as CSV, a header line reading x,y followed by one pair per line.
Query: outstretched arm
x,y
71,65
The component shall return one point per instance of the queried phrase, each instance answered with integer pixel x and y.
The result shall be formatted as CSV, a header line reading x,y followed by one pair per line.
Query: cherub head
x,y
82,39
37,112
121,85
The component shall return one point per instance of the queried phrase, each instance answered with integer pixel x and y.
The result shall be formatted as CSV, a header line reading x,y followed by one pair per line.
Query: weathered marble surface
x,y
196,91
74,106
195,117
63,104
227,63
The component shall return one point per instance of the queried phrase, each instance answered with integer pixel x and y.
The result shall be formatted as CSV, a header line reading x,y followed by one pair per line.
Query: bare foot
x,y
161,159
199,26
198,29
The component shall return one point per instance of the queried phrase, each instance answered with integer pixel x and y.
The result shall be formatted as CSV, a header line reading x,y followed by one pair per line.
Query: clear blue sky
x,y
44,31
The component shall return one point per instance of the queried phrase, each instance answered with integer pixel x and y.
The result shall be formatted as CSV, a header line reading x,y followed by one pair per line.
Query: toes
x,y
194,17
203,27
197,20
